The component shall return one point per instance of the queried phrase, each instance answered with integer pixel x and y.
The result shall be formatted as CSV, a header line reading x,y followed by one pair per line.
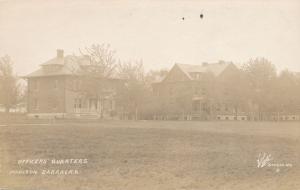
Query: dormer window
x,y
196,75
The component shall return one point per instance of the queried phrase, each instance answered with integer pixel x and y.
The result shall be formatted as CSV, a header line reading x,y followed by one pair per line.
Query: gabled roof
x,y
214,68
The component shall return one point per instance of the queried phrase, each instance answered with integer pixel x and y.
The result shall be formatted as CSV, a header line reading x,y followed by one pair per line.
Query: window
x,y
56,84
172,101
156,92
54,105
171,91
203,91
111,104
77,83
226,108
197,90
35,85
225,92
35,104
77,103
196,75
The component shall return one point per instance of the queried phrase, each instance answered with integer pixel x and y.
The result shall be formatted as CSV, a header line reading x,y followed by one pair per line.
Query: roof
x,y
215,68
68,65
64,66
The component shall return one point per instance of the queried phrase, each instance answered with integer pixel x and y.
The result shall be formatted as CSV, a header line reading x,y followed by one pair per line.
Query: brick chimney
x,y
204,64
60,53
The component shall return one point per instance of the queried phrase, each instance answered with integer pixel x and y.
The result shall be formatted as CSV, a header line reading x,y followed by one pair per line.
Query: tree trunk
x,y
101,107
136,113
236,112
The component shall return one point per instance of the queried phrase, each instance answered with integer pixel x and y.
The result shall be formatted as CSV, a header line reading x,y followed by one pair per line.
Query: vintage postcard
x,y
145,95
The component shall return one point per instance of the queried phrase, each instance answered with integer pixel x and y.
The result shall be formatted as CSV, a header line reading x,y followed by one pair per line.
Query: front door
x,y
92,105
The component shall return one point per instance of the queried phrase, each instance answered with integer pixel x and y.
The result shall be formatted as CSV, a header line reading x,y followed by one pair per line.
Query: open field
x,y
153,155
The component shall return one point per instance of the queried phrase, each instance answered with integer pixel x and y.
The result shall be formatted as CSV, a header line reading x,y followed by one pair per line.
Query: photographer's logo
x,y
266,160
263,159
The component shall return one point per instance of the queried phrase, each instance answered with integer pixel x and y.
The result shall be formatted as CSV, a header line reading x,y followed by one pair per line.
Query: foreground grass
x,y
154,155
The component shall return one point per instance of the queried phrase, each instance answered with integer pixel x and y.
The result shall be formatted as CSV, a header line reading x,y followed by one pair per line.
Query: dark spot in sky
x,y
182,18
201,16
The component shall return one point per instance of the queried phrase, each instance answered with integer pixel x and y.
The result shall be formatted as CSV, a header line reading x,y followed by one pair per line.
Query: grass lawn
x,y
152,155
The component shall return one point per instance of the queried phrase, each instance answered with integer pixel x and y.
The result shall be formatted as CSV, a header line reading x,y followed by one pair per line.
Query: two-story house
x,y
54,90
189,92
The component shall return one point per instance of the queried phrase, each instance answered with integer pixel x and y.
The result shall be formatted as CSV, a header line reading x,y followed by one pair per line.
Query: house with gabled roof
x,y
54,91
187,91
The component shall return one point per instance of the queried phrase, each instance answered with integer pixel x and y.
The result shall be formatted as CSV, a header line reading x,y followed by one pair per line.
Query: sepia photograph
x,y
149,95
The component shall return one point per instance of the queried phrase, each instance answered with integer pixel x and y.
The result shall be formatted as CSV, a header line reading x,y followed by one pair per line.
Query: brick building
x,y
54,91
188,92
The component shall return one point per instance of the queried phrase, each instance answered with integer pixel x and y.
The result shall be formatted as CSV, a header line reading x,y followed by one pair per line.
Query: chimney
x,y
204,64
60,53
221,62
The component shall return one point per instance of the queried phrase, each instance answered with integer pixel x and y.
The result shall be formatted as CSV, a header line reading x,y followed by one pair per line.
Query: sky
x,y
154,31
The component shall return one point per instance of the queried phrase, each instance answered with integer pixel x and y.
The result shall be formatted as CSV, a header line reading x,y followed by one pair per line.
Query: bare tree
x,y
102,61
9,88
96,66
133,93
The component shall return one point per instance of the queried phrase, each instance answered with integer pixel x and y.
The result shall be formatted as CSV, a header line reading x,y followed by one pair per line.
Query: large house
x,y
187,92
54,91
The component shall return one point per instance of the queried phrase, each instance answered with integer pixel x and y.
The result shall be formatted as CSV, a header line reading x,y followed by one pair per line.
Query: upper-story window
x,y
226,91
197,90
156,92
55,84
171,91
196,75
77,84
35,84
203,90
35,104
55,106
